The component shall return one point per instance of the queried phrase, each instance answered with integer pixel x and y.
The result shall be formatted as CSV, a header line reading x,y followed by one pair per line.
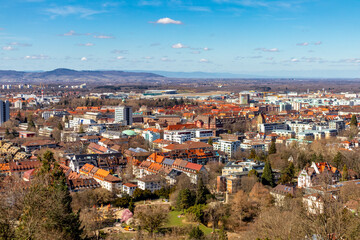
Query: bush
x,y
196,234
195,213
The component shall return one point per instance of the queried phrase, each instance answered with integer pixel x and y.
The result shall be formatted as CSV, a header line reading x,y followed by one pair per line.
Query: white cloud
x,y
36,57
20,44
165,59
83,59
73,33
351,60
207,49
268,50
168,21
120,57
149,3
302,44
116,51
8,48
86,44
203,60
103,36
294,60
179,45
318,43
64,11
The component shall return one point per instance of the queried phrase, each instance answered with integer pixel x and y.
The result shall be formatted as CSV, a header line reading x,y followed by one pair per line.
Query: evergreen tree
x,y
81,128
337,159
320,158
253,173
47,212
272,149
131,206
345,173
267,177
252,154
7,132
201,193
353,121
196,234
288,174
313,157
60,126
210,142
185,199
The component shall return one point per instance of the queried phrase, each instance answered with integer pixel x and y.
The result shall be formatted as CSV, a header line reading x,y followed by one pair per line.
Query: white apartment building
x,y
76,122
181,136
228,146
298,127
270,127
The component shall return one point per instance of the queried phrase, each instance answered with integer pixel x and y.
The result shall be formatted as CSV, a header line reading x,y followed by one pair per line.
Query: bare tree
x,y
151,217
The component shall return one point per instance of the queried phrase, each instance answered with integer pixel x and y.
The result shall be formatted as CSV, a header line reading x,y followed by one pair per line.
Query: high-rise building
x,y
4,111
124,114
244,99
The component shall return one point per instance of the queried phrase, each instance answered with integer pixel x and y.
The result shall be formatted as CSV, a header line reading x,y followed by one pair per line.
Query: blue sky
x,y
262,37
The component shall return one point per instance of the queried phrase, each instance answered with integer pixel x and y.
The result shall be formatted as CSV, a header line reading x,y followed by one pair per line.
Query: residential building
x,y
150,182
228,146
129,188
124,114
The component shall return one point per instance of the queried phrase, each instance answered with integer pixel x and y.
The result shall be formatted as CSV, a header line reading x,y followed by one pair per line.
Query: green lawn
x,y
175,221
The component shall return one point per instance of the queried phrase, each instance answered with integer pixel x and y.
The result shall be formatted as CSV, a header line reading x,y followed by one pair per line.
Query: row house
x,y
103,177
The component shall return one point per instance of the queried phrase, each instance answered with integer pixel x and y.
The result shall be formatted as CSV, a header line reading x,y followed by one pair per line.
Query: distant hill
x,y
203,74
63,75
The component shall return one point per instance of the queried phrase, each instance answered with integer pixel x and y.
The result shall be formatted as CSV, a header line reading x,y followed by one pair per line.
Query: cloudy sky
x,y
278,37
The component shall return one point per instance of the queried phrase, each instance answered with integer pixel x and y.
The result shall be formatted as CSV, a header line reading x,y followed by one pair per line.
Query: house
x,y
314,203
26,134
150,182
30,146
280,192
103,177
129,188
311,176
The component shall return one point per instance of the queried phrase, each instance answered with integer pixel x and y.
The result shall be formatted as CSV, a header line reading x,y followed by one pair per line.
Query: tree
x,y
210,141
196,234
151,217
132,206
185,199
267,177
252,154
288,174
345,173
81,128
272,149
337,159
320,158
31,124
201,193
60,126
353,121
253,173
47,212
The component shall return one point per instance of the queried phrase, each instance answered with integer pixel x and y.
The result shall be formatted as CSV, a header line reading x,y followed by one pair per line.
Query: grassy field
x,y
174,220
